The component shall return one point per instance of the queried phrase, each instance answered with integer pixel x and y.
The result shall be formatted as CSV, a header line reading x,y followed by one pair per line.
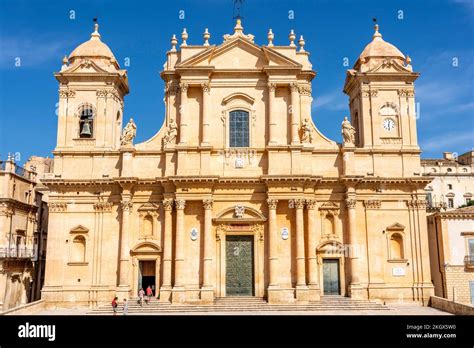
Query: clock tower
x,y
381,97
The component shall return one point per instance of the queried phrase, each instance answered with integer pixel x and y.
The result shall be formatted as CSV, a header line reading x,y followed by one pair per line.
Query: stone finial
x,y
376,34
270,36
206,35
292,38
301,43
174,42
95,35
238,26
184,37
65,63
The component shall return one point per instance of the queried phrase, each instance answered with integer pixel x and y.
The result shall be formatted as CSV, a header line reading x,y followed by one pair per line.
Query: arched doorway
x,y
330,256
146,261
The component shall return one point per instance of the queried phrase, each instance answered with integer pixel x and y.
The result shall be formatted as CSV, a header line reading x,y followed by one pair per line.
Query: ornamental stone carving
x,y
206,88
126,205
370,93
406,92
299,203
207,204
128,133
180,204
311,203
351,203
168,203
272,203
372,204
101,93
239,211
305,90
348,132
171,133
306,132
103,206
271,86
67,93
183,87
55,207
294,87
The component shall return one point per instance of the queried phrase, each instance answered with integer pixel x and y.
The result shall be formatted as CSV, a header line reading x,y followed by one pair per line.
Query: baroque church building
x,y
238,193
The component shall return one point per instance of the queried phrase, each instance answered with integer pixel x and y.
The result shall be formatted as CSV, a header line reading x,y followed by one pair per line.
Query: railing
x,y
469,261
18,253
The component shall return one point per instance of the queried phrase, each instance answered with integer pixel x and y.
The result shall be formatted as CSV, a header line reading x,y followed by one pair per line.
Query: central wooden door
x,y
239,266
331,277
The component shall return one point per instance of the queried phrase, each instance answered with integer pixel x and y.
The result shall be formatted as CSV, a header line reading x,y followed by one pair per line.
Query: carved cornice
x,y
180,204
55,207
272,203
103,206
207,203
168,203
351,203
311,203
372,204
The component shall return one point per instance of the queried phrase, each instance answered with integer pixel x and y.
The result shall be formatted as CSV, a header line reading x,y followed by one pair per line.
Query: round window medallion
x,y
194,234
285,233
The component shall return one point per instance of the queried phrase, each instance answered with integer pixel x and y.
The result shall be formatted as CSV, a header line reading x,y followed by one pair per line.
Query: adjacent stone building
x,y
451,236
238,193
453,180
23,225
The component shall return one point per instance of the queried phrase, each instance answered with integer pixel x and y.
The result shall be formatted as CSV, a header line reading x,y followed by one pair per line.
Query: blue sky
x,y
434,33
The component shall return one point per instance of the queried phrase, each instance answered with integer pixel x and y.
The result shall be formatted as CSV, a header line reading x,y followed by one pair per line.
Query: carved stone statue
x,y
171,133
128,133
348,132
306,132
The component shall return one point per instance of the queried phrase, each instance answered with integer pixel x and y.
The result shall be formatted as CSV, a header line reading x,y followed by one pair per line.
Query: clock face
x,y
388,124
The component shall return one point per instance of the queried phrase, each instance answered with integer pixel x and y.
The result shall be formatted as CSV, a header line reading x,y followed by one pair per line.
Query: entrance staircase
x,y
244,304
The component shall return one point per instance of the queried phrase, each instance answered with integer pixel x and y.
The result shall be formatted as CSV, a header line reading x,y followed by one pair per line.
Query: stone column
x,y
301,287
205,113
207,290
313,280
165,292
271,114
273,246
295,113
126,205
183,124
178,289
353,242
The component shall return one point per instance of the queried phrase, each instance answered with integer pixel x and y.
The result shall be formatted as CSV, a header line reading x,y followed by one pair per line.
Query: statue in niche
x,y
171,133
306,132
348,132
128,133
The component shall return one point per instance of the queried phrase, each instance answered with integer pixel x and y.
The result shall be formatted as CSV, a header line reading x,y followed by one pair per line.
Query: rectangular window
x,y
239,128
429,199
450,203
471,246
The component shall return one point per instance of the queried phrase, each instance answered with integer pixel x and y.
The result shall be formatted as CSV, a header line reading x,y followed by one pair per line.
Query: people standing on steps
x,y
125,306
149,294
115,305
141,294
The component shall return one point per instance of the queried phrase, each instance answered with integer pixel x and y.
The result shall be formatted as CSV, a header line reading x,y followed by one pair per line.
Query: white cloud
x,y
447,141
334,101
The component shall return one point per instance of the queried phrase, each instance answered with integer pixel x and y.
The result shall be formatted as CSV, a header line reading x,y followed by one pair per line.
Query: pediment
x,y
148,207
330,247
79,229
329,206
85,67
396,226
238,54
389,66
146,248
240,213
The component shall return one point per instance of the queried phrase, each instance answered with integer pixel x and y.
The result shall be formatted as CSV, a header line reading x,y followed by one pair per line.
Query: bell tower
x,y
91,91
381,97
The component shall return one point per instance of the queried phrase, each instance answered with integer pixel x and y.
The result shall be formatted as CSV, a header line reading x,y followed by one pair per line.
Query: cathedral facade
x,y
238,193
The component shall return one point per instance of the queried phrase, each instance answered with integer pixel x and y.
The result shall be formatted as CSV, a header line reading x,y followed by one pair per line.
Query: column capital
x,y
311,203
183,86
206,87
168,203
207,203
294,87
126,205
180,204
351,203
272,203
271,86
299,203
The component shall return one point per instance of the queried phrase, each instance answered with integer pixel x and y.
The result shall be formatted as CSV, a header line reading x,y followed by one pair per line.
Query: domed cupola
x,y
377,51
95,50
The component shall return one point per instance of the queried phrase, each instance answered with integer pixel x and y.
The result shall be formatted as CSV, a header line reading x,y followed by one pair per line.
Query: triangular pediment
x,y
148,206
390,66
79,229
329,205
396,226
238,54
85,67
